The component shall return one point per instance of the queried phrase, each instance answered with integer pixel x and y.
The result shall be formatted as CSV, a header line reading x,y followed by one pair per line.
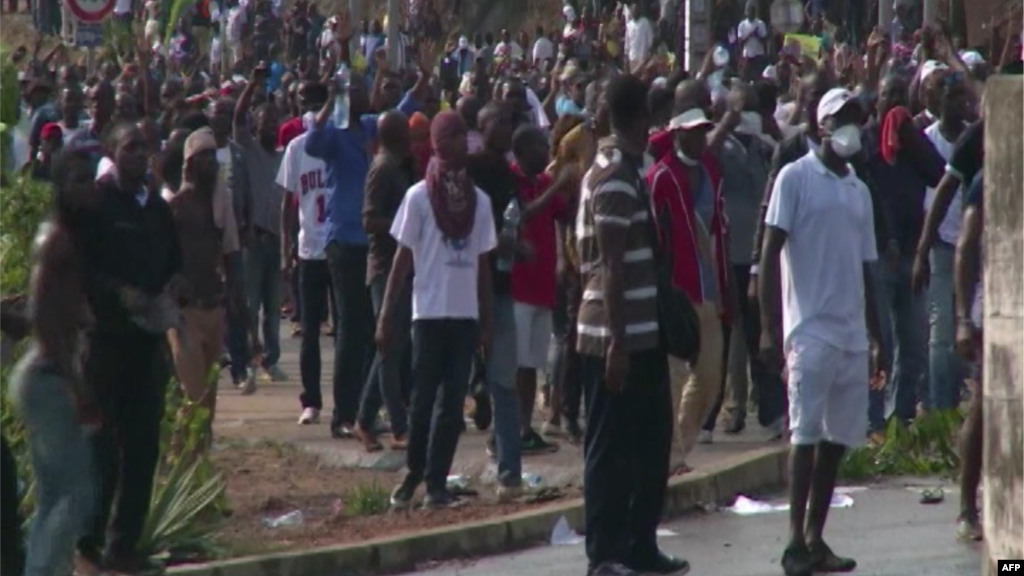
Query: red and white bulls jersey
x,y
306,178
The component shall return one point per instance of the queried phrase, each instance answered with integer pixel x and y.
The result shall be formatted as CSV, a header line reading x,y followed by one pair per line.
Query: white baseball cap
x,y
833,101
931,66
692,118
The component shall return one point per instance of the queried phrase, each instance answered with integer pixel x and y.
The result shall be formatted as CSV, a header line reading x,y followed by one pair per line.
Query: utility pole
x,y
355,15
931,12
394,15
884,14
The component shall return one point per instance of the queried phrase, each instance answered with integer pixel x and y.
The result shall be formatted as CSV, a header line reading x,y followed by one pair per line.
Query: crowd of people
x,y
477,215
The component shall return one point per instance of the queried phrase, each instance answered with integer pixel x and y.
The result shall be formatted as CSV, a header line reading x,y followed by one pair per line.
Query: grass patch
x,y
366,500
927,447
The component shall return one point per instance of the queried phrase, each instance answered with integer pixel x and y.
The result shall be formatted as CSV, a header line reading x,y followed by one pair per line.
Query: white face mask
x,y
686,160
751,124
846,141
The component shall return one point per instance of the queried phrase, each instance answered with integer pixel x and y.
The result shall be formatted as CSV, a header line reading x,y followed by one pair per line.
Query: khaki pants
x,y
196,348
695,388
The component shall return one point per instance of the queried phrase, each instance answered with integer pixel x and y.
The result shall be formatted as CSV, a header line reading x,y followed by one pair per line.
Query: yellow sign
x,y
802,44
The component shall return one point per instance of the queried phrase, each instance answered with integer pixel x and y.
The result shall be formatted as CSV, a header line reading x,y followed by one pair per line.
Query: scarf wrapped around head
x,y
451,192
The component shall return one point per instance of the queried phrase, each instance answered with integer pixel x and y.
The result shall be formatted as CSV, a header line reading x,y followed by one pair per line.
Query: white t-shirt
x,y
542,50
105,166
949,229
236,24
639,40
753,31
445,281
830,231
304,176
122,7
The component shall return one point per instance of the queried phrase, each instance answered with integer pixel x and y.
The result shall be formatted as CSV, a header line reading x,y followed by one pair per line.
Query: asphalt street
x,y
886,530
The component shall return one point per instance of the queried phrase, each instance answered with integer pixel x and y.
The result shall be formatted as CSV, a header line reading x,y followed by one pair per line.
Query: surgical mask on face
x,y
750,123
846,141
686,160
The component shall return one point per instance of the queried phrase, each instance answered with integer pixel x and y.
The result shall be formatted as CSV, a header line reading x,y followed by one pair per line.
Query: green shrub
x,y
188,494
926,447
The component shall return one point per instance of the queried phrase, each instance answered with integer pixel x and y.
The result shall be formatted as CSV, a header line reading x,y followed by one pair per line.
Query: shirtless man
x,y
208,236
53,400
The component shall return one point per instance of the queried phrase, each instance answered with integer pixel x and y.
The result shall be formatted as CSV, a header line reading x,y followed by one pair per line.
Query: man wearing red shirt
x,y
533,277
685,188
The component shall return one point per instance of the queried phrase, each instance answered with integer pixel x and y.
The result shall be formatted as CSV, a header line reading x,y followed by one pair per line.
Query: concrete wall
x,y
1003,474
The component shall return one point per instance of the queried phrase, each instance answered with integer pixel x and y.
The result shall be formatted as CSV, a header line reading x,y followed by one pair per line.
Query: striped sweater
x,y
614,198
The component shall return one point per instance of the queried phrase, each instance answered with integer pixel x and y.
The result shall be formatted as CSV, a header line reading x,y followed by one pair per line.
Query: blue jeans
x,y
442,351
353,342
501,383
66,487
385,381
263,292
946,369
903,323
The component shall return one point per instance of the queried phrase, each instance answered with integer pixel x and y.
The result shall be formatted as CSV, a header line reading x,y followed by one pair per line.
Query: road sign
x,y
90,10
88,35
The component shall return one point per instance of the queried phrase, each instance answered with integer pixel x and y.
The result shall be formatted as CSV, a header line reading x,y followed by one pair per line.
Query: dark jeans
x,y
263,292
314,281
442,354
626,457
771,392
353,342
237,339
129,374
566,367
385,381
12,550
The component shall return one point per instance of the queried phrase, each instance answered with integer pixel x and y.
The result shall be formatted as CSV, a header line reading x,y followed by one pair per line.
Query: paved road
x,y
886,530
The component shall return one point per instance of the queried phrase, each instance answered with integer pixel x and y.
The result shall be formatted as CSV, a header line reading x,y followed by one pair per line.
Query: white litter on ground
x,y
744,506
563,535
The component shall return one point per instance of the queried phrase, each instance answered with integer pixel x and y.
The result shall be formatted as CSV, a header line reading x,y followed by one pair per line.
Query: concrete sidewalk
x,y
272,413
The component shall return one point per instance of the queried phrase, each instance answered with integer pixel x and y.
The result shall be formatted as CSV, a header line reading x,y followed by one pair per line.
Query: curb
x,y
752,471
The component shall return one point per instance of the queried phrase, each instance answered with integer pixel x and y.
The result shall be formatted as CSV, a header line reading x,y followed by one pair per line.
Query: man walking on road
x,y
624,367
820,226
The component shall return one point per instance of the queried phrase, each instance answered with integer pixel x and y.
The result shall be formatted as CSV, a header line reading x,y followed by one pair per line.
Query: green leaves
x,y
178,525
926,447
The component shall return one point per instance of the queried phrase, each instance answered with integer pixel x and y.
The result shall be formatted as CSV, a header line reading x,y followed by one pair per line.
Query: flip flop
x,y
932,496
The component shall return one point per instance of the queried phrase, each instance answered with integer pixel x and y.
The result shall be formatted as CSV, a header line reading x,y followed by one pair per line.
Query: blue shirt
x,y
564,105
704,208
347,155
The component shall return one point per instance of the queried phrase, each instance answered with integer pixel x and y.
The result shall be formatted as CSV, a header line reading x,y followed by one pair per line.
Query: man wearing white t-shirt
x,y
543,48
639,38
445,230
752,34
946,371
305,179
820,227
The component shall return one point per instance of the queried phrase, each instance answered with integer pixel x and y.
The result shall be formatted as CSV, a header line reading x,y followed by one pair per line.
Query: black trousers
x,y
314,284
566,369
442,355
129,374
353,340
626,457
12,550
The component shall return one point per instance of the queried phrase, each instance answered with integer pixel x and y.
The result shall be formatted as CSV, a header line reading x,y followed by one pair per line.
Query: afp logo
x,y
1011,566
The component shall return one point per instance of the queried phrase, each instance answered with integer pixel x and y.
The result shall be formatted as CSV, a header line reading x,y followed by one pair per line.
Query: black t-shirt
x,y
495,178
968,153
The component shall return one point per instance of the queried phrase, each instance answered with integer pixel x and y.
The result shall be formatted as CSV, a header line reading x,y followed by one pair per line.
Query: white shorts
x,y
533,335
828,393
